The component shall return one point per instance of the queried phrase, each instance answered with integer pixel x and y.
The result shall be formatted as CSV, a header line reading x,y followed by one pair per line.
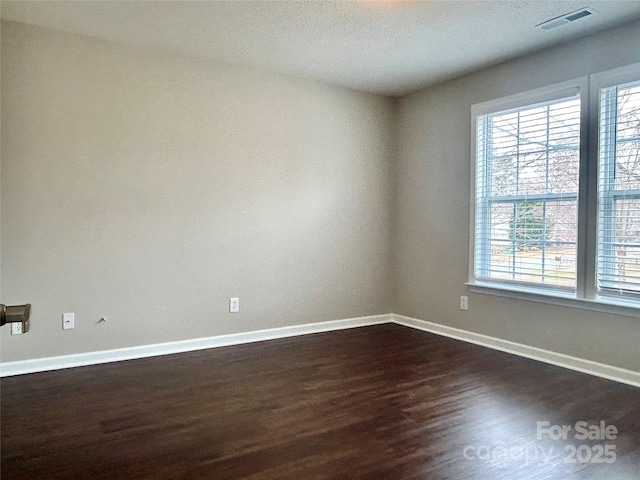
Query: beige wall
x,y
150,188
432,208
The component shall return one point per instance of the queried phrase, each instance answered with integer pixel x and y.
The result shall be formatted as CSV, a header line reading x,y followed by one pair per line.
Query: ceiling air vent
x,y
567,18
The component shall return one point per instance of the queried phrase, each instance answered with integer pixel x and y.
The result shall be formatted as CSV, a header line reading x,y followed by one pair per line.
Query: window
x,y
555,214
527,194
619,191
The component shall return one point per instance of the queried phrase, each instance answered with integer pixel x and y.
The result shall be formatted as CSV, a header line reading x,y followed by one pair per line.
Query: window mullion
x,y
588,195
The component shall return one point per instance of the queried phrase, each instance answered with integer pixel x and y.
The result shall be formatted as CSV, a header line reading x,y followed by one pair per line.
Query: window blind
x,y
618,255
526,205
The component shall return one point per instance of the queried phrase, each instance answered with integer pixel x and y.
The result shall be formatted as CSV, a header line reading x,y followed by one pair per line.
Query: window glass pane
x,y
627,170
620,250
531,174
504,170
533,242
564,170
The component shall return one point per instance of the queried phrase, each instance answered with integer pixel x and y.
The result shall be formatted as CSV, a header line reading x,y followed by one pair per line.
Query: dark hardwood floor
x,y
383,402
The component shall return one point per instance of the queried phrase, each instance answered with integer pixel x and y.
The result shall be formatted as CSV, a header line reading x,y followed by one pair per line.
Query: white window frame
x,y
599,81
586,295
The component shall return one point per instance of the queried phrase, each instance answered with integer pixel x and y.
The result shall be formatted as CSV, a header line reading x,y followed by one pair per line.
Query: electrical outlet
x,y
234,305
16,328
68,321
464,302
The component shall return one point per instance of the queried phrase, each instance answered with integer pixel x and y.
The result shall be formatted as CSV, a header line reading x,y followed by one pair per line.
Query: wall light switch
x,y
68,321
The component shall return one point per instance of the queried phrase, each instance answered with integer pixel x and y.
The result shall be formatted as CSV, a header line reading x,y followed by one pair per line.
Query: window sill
x,y
602,304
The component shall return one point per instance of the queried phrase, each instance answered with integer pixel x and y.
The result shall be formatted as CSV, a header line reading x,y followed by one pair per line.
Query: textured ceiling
x,y
387,47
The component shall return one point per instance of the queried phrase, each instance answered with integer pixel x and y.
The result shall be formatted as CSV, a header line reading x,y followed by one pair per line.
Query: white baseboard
x,y
609,372
8,369
617,374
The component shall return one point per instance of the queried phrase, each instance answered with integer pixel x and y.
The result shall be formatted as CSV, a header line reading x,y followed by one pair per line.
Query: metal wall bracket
x,y
16,314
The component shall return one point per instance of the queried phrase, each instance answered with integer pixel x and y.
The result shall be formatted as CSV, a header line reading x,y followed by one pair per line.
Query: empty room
x,y
320,240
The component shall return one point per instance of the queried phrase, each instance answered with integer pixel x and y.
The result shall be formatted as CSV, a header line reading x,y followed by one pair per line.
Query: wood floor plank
x,y
380,402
